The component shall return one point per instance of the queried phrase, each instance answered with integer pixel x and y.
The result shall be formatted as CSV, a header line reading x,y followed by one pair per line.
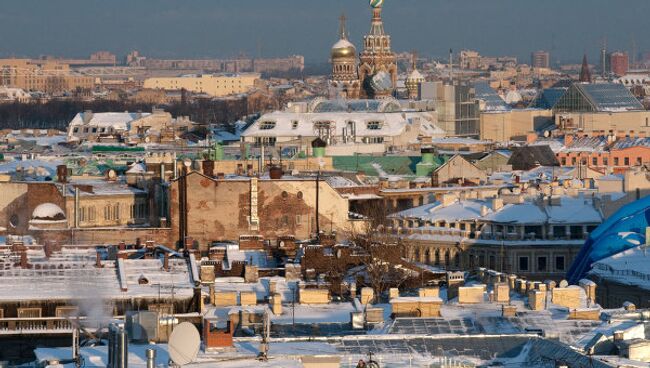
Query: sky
x,y
226,28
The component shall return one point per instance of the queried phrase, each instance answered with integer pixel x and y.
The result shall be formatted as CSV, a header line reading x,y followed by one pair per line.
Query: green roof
x,y
116,149
391,165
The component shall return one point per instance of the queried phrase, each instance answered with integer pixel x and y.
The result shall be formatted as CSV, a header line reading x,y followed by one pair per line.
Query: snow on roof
x,y
340,182
116,120
458,140
586,144
371,124
629,267
630,142
137,168
48,211
458,211
569,211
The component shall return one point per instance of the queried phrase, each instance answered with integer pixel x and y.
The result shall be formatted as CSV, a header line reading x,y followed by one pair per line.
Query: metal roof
x,y
493,102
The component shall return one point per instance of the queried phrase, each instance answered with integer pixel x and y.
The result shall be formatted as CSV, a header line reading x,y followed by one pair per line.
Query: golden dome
x,y
343,49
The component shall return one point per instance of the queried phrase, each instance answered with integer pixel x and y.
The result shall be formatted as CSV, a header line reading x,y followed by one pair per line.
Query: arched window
x,y
437,260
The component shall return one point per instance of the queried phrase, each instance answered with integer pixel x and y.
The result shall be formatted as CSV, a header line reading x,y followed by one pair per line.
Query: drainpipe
x,y
76,208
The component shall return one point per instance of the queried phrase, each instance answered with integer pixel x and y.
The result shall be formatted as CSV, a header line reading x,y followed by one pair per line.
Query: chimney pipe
x,y
151,358
98,260
23,258
166,262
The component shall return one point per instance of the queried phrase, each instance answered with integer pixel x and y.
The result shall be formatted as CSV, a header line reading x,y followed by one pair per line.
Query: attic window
x,y
267,125
373,125
294,124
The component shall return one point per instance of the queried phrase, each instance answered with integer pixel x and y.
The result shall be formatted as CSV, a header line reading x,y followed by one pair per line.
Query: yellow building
x,y
212,84
45,76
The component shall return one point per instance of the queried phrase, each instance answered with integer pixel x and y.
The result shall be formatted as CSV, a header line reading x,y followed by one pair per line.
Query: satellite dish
x,y
184,344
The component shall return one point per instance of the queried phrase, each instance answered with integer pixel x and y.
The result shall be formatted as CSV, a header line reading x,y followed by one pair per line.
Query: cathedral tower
x,y
378,64
345,80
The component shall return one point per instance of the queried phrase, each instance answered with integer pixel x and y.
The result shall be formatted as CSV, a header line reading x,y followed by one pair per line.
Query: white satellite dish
x,y
184,344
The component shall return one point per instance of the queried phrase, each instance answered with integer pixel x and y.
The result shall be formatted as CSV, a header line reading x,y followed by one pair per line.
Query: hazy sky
x,y
222,28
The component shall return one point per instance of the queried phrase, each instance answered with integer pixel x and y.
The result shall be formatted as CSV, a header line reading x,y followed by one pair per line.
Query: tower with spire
x,y
378,64
345,80
585,72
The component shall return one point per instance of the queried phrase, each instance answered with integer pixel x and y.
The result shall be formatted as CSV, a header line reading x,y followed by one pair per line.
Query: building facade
x,y
540,59
216,85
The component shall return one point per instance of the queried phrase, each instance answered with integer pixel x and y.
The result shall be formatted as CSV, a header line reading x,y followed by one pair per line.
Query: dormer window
x,y
267,125
373,125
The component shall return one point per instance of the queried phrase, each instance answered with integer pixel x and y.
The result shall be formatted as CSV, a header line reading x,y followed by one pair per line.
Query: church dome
x,y
376,3
415,76
343,49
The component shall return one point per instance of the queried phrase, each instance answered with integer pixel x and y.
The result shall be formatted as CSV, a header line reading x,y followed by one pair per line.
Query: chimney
x,y
166,262
208,168
249,170
98,260
497,204
87,116
568,139
121,245
275,172
240,170
531,137
23,258
62,173
619,336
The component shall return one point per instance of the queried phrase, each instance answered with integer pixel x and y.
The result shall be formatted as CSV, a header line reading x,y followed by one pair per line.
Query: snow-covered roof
x,y
116,120
629,267
466,210
569,210
366,124
48,211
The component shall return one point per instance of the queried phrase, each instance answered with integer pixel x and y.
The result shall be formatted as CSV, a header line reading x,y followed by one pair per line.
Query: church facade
x,y
373,75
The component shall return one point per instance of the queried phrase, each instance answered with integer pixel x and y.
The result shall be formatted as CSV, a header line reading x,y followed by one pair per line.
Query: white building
x,y
359,126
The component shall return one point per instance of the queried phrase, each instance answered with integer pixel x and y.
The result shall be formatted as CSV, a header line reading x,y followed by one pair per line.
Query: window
x,y
626,161
594,161
615,161
563,161
573,161
559,263
294,124
373,125
267,125
541,264
605,161
523,264
639,162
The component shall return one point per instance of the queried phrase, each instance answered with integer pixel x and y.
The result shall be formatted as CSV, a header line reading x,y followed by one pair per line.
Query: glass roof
x,y
357,106
547,98
610,97
493,102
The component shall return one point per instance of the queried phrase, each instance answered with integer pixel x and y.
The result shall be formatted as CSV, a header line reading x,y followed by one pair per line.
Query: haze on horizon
x,y
226,28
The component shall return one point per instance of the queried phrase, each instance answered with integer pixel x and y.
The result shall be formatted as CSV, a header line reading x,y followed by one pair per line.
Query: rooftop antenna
x,y
603,56
451,66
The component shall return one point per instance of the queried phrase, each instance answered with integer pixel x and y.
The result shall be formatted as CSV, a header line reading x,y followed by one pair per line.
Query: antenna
x,y
451,66
184,344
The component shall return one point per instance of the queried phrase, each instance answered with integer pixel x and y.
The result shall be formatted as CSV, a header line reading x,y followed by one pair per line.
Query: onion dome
x,y
376,3
343,49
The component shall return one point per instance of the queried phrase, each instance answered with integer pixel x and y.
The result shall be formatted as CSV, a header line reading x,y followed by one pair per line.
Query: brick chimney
x,y
62,174
208,168
166,262
23,259
121,245
98,260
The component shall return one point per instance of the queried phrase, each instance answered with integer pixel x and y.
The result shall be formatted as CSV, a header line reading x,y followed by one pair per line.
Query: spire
x,y
414,60
377,27
343,32
585,73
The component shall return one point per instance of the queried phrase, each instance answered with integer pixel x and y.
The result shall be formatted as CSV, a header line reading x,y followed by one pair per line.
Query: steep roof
x,y
526,158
